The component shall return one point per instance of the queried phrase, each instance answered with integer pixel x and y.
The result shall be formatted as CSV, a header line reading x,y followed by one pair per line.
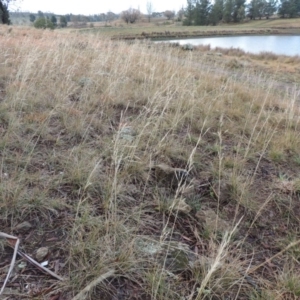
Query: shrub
x,y
63,21
43,23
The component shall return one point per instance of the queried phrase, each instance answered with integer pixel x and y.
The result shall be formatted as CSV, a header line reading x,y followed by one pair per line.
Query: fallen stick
x,y
15,245
39,266
12,263
87,289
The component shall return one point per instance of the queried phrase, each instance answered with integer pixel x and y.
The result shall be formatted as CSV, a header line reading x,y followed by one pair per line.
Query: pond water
x,y
278,44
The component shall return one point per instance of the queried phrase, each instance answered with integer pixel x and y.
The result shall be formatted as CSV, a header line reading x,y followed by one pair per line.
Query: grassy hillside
x,y
147,171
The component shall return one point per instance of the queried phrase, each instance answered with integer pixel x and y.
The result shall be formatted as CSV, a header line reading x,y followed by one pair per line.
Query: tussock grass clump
x,y
149,173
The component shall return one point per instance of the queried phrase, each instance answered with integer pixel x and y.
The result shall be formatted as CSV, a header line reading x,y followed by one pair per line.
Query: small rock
x,y
24,227
149,247
167,174
41,253
211,219
127,133
174,256
188,47
179,257
84,81
177,260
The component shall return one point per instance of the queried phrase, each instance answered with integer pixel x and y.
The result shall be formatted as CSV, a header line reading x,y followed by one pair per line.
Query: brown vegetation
x,y
167,34
146,171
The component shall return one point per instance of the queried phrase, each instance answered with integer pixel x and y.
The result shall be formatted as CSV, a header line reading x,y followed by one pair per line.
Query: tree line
x,y
196,12
46,20
49,20
206,12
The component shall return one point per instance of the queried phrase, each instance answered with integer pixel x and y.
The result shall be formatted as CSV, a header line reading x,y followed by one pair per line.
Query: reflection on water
x,y
278,44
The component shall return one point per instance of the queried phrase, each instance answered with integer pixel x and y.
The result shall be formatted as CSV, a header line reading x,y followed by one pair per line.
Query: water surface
x,y
278,44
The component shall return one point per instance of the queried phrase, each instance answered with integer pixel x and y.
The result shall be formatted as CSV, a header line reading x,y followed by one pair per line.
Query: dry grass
x,y
146,163
285,70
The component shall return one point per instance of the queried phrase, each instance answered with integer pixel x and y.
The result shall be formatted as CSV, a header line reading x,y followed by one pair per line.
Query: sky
x,y
89,7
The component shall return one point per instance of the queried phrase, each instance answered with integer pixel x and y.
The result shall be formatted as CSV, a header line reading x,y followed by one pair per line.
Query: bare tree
x,y
110,16
131,15
169,14
125,15
103,17
75,20
149,10
180,14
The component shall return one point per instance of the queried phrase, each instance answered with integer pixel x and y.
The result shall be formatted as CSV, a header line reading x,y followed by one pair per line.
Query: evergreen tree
x,y
4,14
270,8
228,10
256,9
189,13
216,13
40,14
238,13
297,7
54,20
253,9
289,8
68,17
241,13
202,10
261,8
32,18
63,21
